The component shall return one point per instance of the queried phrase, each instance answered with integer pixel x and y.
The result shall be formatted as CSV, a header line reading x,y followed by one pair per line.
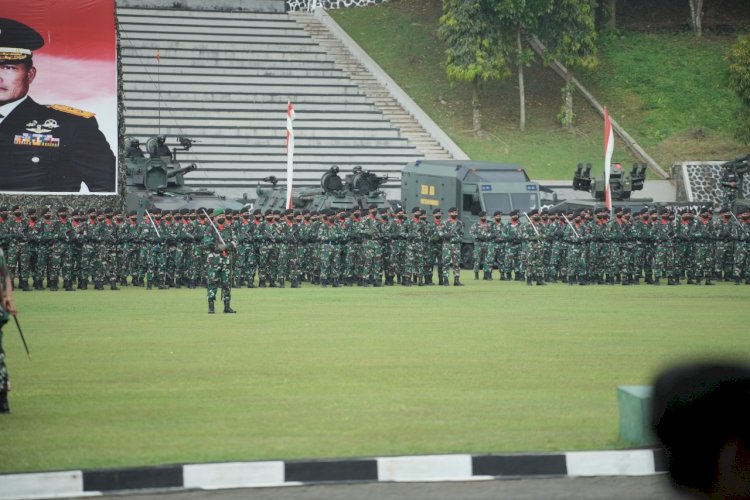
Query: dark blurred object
x,y
701,414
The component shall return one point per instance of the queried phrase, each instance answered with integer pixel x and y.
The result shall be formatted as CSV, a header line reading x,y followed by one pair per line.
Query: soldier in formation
x,y
373,247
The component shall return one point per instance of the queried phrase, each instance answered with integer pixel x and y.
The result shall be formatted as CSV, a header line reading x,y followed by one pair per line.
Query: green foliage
x,y
474,50
141,377
569,33
738,58
661,88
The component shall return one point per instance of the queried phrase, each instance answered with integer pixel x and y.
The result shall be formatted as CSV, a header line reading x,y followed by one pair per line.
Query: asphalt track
x,y
575,488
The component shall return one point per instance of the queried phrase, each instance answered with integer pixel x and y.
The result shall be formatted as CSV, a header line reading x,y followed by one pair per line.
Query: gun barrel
x,y
183,170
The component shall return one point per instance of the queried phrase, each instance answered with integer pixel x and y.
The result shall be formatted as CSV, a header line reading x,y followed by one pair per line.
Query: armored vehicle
x,y
733,176
622,184
470,186
158,180
359,189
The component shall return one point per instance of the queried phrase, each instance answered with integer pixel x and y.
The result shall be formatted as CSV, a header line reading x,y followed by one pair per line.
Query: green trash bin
x,y
635,409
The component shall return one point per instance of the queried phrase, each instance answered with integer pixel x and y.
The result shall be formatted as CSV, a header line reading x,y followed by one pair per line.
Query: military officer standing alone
x,y
219,243
45,148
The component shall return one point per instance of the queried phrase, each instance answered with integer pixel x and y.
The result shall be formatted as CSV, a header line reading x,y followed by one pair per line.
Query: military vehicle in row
x,y
470,186
157,180
360,189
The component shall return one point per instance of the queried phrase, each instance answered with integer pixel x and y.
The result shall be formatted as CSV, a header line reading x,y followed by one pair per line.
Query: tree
x,y
738,58
475,51
696,16
518,19
569,33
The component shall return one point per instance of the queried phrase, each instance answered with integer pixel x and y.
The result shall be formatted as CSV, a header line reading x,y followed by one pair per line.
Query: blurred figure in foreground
x,y
701,414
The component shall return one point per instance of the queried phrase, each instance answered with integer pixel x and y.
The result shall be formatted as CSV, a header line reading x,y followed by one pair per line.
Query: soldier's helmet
x,y
335,169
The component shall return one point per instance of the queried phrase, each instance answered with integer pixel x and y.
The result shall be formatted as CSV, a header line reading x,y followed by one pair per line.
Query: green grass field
x,y
140,377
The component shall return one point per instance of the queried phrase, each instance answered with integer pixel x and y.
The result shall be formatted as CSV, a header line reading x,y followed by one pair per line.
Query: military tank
x,y
360,189
157,180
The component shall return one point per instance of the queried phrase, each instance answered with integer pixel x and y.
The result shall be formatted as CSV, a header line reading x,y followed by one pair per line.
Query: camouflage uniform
x,y
725,246
532,250
288,252
452,234
218,244
388,243
266,238
665,249
414,255
703,250
498,246
331,238
481,233
575,238
512,262
372,250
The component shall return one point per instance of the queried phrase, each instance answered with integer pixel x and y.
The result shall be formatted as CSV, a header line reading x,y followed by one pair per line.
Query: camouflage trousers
x,y
664,254
451,256
741,267
724,261
268,264
49,260
702,259
289,262
414,258
575,261
481,256
372,260
497,255
218,276
512,260
329,263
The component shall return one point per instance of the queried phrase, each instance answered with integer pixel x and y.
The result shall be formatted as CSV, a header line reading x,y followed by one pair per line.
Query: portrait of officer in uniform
x,y
45,148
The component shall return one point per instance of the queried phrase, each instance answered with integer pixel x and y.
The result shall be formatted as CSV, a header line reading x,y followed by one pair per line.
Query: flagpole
x,y
289,153
609,146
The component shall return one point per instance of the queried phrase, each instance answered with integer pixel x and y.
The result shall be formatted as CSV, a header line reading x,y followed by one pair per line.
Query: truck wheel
x,y
467,256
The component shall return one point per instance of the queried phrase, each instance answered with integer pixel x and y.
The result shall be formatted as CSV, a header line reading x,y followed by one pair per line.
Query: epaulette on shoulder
x,y
72,111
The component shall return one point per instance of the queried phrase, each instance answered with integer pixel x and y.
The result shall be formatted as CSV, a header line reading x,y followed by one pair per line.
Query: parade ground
x,y
144,377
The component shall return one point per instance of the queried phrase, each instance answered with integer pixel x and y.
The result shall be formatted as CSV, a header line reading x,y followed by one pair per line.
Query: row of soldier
x,y
372,247
587,246
169,248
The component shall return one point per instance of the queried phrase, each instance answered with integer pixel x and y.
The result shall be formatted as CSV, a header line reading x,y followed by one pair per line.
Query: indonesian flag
x,y
289,153
609,146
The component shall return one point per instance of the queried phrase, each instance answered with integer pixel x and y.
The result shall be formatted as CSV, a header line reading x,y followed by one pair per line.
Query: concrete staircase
x,y
224,79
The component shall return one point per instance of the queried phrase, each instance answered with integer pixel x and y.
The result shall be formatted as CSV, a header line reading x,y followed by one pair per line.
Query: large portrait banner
x,y
58,97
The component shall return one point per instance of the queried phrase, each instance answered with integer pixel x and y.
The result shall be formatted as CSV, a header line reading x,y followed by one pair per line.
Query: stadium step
x,y
224,78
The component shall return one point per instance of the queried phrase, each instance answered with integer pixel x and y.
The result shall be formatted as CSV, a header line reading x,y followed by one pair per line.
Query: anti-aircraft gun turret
x,y
622,183
732,180
158,180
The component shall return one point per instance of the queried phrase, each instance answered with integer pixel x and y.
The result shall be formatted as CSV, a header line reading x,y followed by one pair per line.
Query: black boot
x,y
113,286
456,282
406,281
520,276
336,283
4,407
295,283
440,280
52,285
419,281
211,309
476,275
262,283
507,276
528,280
446,281
228,309
488,275
737,280
68,286
281,283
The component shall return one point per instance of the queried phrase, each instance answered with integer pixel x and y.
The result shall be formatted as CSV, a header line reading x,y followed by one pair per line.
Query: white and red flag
x,y
609,146
289,153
